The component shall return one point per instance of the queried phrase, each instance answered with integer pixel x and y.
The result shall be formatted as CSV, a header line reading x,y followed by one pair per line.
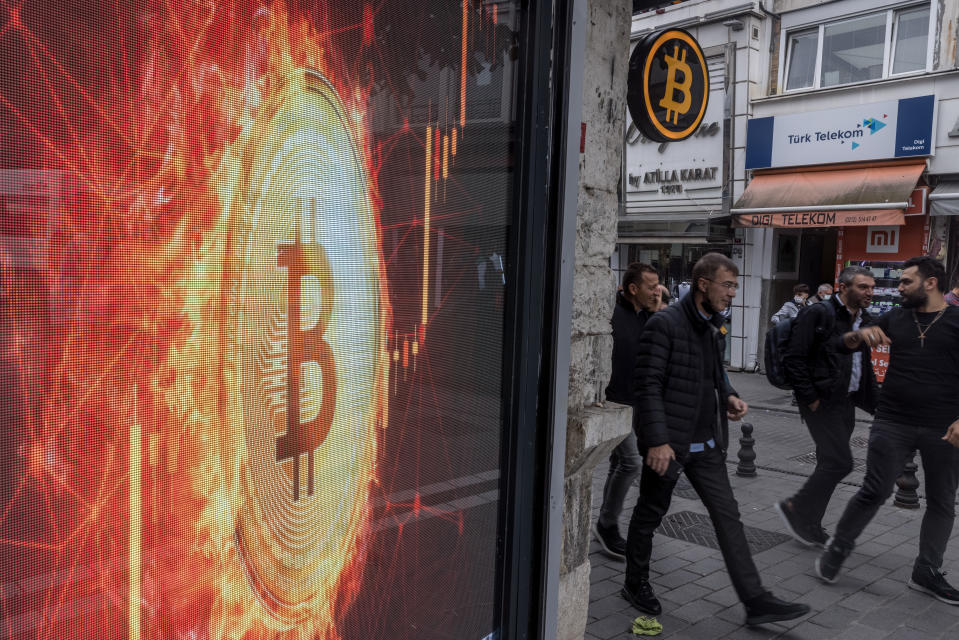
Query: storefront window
x,y
253,264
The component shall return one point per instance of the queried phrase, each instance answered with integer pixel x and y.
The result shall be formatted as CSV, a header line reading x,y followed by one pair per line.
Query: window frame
x,y
892,14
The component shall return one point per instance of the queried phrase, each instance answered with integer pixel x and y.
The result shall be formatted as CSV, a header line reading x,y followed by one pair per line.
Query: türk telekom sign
x,y
880,130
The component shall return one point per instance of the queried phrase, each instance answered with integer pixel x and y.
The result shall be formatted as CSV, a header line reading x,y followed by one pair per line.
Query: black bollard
x,y
908,483
747,455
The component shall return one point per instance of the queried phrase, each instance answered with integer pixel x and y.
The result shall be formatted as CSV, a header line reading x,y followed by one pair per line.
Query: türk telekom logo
x,y
872,125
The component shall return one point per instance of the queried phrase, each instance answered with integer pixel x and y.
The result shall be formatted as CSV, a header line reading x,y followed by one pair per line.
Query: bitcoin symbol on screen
x,y
306,346
676,65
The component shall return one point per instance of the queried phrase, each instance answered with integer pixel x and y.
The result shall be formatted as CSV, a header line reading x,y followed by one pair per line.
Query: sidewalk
x,y
870,601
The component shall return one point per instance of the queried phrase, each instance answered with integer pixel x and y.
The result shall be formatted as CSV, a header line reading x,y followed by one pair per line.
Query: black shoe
x,y
768,608
643,598
609,539
829,563
931,581
810,535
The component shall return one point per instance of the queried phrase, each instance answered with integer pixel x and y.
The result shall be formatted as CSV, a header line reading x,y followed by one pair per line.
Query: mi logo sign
x,y
882,239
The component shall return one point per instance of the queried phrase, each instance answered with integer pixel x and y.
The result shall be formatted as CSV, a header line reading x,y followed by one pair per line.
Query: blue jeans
x,y
890,444
625,464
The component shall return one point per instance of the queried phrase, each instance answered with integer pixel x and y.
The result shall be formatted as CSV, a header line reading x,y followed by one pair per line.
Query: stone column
x,y
592,428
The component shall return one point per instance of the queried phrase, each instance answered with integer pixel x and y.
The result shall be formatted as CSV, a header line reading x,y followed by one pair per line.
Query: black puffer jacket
x,y
627,325
669,376
817,363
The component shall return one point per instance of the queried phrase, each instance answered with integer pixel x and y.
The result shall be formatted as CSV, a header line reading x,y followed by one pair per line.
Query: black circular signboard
x,y
668,85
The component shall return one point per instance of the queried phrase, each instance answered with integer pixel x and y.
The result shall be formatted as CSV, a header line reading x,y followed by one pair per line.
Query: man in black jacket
x,y
684,400
639,299
829,384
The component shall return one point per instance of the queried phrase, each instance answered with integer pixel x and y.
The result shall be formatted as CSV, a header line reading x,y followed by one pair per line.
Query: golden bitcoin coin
x,y
305,348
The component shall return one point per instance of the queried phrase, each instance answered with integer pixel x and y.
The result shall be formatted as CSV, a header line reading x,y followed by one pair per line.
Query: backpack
x,y
777,344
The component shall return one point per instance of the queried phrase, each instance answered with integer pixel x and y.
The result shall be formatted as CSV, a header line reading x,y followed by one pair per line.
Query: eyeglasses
x,y
732,286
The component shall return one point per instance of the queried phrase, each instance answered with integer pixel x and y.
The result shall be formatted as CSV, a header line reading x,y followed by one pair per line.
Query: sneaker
x,y
609,539
931,581
810,535
829,563
768,608
643,598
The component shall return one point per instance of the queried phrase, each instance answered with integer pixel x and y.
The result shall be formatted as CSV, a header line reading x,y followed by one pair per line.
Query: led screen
x,y
252,275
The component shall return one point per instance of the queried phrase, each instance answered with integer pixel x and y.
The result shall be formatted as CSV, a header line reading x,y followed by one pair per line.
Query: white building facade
x,y
817,173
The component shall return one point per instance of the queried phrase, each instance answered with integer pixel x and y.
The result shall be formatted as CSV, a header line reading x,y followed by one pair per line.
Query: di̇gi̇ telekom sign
x,y
888,129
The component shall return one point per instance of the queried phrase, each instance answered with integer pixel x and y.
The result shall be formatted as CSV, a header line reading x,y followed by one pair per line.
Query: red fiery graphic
x,y
203,446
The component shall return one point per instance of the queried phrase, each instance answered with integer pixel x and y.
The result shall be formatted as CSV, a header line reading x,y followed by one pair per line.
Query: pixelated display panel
x,y
252,272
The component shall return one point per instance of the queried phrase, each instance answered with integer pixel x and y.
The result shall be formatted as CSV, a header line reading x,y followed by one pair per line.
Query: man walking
x,y
824,292
916,411
639,299
828,385
684,399
790,308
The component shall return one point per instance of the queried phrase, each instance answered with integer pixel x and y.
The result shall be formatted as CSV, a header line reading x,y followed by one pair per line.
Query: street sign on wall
x,y
889,129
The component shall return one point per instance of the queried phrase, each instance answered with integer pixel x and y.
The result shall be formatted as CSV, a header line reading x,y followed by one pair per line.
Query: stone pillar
x,y
592,428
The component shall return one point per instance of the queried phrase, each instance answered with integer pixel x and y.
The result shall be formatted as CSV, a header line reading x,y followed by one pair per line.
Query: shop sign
x,y
889,129
917,201
821,219
668,85
882,239
666,172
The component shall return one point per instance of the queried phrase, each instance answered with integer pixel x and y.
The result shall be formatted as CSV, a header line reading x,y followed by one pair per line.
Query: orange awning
x,y
818,197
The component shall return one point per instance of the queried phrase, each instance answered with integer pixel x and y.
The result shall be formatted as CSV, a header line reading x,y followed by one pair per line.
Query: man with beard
x,y
638,300
829,383
916,411
684,400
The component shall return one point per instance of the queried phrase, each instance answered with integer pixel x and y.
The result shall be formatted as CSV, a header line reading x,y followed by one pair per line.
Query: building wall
x,y
593,429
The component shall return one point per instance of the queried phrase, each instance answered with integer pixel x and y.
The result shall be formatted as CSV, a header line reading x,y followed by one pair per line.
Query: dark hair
x,y
710,264
929,267
634,274
849,274
801,288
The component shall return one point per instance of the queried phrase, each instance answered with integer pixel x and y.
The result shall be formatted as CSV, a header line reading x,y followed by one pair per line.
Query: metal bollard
x,y
747,455
908,483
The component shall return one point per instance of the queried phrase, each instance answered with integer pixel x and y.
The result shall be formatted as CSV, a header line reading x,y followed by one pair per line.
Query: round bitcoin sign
x,y
305,348
668,85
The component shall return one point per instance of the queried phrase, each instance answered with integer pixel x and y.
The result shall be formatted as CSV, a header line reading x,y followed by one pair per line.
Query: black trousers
x,y
708,474
889,446
831,428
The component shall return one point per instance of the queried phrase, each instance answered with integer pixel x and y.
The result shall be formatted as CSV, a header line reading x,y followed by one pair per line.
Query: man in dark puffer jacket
x,y
684,399
638,300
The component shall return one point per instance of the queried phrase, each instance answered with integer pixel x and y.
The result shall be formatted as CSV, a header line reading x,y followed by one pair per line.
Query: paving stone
x,y
669,581
612,626
709,629
603,572
885,618
666,565
811,630
905,633
603,607
686,593
602,589
867,572
706,566
697,610
673,627
726,597
835,617
801,584
715,580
